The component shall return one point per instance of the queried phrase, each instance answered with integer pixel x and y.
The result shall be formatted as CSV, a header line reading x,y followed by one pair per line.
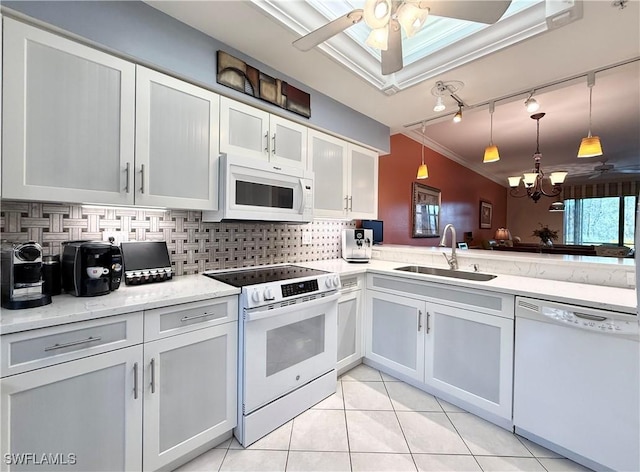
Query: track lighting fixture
x,y
590,146
531,103
491,153
446,89
457,118
439,105
423,172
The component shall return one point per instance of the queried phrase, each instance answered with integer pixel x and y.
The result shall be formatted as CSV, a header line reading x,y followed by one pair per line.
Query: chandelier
x,y
534,181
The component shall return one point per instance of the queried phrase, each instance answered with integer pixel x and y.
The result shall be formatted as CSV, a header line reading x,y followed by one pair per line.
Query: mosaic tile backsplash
x,y
194,246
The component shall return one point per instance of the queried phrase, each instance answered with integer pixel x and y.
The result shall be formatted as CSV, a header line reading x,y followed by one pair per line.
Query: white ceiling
x,y
605,35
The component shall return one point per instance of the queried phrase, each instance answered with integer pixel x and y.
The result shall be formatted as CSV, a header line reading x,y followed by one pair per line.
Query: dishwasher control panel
x,y
579,317
589,321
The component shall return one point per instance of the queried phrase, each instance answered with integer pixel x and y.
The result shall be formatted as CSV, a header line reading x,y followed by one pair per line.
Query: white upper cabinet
x,y
252,133
68,120
176,143
346,178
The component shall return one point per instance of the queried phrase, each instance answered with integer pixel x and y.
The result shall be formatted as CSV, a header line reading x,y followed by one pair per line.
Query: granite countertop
x,y
127,299
606,298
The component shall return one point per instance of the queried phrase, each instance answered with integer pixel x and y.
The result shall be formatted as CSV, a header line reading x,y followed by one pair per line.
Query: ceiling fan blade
x,y
485,11
329,30
392,57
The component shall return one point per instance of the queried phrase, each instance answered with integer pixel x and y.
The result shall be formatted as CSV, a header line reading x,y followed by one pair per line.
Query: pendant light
x,y
423,172
457,118
491,153
590,146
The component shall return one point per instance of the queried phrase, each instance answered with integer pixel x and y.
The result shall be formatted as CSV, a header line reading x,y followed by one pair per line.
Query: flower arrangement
x,y
545,234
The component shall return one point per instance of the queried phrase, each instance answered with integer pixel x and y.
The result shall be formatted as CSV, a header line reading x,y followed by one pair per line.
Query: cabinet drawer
x,y
176,319
38,348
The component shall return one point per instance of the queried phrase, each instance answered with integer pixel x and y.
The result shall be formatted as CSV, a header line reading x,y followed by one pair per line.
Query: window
x,y
600,220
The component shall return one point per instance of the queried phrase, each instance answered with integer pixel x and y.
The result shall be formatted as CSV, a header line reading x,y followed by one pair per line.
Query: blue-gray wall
x,y
135,29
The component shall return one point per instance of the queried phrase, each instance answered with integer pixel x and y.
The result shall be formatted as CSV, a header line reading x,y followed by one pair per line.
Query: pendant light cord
x,y
590,96
423,128
491,129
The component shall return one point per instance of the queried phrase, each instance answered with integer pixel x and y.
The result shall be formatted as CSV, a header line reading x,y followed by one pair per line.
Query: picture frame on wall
x,y
486,214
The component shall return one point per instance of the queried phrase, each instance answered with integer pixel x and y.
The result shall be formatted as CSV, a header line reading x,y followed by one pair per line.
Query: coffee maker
x,y
22,284
356,244
90,268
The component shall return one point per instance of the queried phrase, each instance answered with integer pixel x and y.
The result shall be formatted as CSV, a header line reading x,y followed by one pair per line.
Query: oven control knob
x,y
328,282
268,294
336,281
255,296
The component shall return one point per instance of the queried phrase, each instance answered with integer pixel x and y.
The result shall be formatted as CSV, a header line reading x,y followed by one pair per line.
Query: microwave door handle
x,y
304,197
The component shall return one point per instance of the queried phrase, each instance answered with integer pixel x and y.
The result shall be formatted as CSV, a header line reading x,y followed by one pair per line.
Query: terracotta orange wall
x,y
462,189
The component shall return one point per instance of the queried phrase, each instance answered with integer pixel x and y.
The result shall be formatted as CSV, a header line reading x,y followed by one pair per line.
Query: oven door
x,y
286,347
259,190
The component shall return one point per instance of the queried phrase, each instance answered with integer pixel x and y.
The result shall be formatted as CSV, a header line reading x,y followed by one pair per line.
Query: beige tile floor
x,y
377,423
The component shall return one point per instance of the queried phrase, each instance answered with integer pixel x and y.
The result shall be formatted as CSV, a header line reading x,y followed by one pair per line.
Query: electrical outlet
x,y
118,236
306,238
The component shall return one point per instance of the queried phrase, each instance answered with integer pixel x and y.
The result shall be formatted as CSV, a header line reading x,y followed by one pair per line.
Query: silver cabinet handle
x,y
184,319
273,150
419,320
351,203
346,202
589,317
135,381
90,339
153,375
128,171
266,142
428,316
142,178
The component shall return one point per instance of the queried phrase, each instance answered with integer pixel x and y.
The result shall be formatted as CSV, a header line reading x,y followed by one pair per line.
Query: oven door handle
x,y
260,313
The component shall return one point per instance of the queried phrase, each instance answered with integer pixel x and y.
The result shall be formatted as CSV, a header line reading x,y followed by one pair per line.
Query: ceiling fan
x,y
604,168
387,18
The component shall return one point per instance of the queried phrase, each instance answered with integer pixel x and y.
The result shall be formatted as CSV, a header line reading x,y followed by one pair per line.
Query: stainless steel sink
x,y
456,274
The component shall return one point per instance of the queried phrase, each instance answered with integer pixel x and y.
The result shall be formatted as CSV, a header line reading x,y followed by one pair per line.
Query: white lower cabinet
x,y
349,323
146,404
470,357
189,392
80,415
394,333
461,351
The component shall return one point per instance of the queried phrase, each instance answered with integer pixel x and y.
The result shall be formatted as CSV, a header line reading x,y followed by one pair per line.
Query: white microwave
x,y
252,189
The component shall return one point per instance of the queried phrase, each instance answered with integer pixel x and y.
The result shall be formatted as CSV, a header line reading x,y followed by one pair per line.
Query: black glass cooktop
x,y
260,275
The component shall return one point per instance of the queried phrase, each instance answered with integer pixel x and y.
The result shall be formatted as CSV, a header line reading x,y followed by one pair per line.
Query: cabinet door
x,y
68,120
244,130
328,161
394,332
84,414
190,392
363,183
288,142
349,329
176,143
470,356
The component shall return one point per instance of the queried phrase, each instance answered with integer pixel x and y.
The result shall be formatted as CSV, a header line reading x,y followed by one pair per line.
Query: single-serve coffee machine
x,y
356,244
22,285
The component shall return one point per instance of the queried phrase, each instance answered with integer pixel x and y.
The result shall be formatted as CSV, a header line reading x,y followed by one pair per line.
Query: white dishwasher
x,y
576,382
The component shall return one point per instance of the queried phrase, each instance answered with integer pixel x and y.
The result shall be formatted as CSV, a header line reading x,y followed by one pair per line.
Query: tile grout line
x,y
446,413
399,423
346,425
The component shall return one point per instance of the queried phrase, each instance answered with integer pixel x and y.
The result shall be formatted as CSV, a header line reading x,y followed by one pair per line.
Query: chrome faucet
x,y
453,260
